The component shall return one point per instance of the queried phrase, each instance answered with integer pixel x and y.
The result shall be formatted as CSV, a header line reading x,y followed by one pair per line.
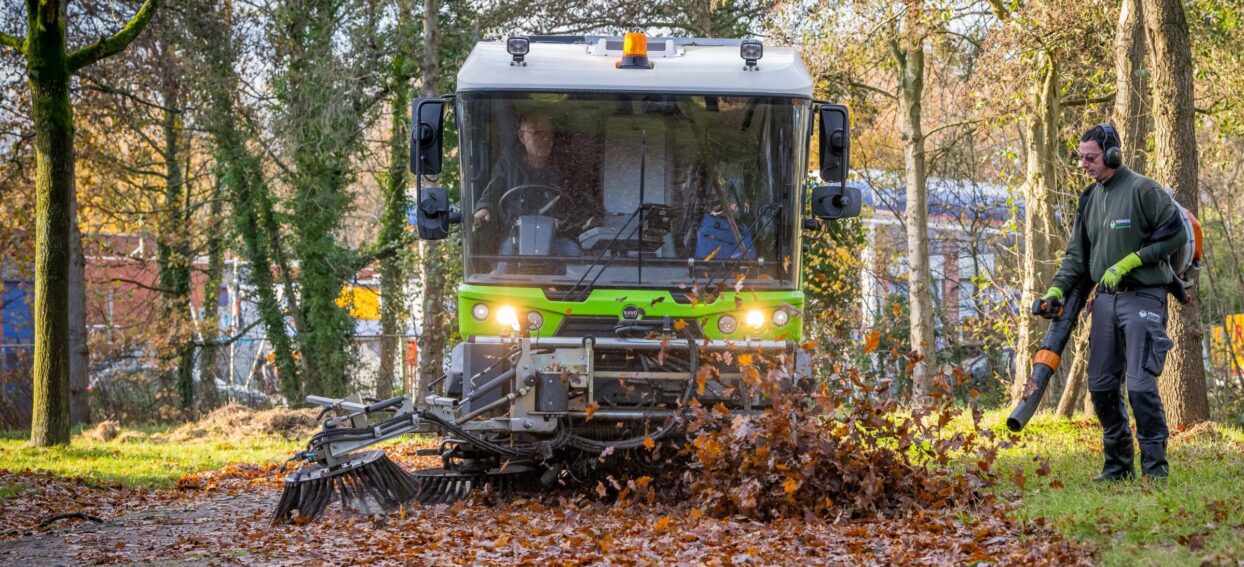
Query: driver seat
x,y
624,146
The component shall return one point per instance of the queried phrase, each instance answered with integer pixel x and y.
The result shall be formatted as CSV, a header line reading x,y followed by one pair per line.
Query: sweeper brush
x,y
524,417
369,483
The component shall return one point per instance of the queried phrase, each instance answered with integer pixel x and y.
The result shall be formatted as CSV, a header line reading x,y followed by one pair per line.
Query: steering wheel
x,y
533,199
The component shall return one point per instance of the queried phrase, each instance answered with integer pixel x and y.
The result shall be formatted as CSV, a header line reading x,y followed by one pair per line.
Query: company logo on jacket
x,y
1120,223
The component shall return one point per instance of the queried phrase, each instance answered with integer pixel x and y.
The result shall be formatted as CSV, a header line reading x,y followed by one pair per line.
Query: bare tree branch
x,y
109,89
112,45
10,41
873,89
930,133
1085,101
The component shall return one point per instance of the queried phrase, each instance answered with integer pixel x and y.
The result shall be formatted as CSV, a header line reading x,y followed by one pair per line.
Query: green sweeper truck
x,y
631,212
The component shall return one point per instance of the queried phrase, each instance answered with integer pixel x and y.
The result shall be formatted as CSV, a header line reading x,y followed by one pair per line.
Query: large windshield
x,y
553,185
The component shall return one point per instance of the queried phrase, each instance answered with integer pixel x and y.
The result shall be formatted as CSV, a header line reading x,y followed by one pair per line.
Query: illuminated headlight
x,y
727,324
518,45
751,50
508,317
535,320
480,312
755,318
781,317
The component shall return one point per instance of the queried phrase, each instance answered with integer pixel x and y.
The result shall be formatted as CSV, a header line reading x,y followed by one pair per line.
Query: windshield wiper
x,y
572,293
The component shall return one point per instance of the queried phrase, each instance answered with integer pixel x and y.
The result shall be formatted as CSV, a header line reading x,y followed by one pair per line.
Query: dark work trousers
x,y
1127,346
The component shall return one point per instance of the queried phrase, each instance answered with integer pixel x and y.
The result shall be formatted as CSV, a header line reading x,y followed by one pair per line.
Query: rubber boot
x,y
1116,436
1151,433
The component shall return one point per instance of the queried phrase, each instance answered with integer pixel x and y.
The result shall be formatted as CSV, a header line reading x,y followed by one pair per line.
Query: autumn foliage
x,y
844,449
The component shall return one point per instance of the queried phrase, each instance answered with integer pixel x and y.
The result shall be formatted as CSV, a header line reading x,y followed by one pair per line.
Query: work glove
x,y
1114,274
1050,305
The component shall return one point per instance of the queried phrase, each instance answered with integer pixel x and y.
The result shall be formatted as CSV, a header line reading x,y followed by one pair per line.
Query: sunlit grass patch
x,y
1196,516
144,460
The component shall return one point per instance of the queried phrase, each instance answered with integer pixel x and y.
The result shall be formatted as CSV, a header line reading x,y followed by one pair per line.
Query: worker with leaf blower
x,y
1127,228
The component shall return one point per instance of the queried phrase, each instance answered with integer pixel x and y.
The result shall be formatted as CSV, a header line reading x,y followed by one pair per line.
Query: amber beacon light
x,y
634,52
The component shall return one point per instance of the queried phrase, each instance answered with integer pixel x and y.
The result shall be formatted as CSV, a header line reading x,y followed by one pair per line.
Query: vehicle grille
x,y
582,326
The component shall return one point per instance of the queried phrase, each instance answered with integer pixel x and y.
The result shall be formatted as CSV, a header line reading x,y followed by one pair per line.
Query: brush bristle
x,y
370,484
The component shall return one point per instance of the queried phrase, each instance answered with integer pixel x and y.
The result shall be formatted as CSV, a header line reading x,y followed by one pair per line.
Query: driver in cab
x,y
535,167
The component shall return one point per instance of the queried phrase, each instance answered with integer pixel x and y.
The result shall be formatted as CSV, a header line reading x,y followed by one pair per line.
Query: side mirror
x,y
835,143
427,133
836,201
433,215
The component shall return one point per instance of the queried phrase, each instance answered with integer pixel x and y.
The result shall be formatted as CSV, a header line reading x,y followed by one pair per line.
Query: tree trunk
x,y
393,221
240,174
910,59
209,396
1131,115
1182,383
1040,235
48,72
320,122
48,69
173,249
432,336
1077,375
79,348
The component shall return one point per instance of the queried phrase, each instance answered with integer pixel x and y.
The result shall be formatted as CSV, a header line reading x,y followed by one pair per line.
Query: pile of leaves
x,y
235,421
843,449
109,430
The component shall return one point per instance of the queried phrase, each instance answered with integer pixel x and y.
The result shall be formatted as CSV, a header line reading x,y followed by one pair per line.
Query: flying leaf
x,y
1018,477
872,341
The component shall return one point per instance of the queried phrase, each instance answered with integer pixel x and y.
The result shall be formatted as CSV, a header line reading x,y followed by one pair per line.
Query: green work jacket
x,y
1114,219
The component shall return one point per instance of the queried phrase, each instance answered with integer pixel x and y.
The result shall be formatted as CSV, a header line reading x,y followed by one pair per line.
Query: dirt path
x,y
231,527
183,533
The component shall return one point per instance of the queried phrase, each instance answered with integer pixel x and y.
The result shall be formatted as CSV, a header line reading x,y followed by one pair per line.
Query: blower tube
x,y
1045,362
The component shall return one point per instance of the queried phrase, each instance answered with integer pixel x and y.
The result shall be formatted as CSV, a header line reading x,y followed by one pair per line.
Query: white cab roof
x,y
698,69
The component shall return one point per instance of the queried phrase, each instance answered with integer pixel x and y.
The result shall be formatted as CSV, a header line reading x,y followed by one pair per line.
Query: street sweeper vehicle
x,y
631,212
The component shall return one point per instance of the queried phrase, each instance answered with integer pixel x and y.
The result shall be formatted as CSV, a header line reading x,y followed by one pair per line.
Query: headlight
x,y
508,317
781,317
727,324
755,318
480,311
534,320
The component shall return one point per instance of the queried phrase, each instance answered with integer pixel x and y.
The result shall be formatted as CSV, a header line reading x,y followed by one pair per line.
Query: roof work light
x,y
634,52
751,51
518,47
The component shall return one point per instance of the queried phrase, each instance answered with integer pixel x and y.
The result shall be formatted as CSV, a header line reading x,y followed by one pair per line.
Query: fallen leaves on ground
x,y
565,531
38,496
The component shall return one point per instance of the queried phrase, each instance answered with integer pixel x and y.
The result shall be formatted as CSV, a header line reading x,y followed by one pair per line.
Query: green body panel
x,y
654,303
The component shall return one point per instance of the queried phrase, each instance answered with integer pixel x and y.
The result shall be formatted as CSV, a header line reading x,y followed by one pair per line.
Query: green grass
x,y
1196,517
144,463
7,492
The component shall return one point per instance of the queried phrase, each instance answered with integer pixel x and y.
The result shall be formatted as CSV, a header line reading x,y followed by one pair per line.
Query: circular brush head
x,y
369,483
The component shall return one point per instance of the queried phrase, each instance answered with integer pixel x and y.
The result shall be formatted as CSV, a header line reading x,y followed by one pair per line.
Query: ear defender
x,y
1112,156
